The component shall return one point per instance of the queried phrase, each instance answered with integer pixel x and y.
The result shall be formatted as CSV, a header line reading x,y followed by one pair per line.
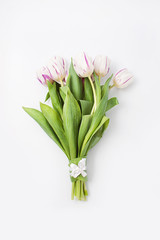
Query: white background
x,y
124,168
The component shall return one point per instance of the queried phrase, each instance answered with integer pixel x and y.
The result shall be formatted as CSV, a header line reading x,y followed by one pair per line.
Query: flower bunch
x,y
77,119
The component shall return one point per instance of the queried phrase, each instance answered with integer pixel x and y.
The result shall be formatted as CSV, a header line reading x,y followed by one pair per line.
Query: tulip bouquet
x,y
77,119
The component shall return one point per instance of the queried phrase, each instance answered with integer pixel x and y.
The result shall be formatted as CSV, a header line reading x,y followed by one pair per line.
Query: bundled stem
x,y
79,190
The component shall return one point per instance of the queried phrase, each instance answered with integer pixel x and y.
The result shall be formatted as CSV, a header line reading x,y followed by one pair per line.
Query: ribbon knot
x,y
76,170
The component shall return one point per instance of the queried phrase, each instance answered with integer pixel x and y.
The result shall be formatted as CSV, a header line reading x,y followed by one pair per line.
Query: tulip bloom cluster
x,y
77,119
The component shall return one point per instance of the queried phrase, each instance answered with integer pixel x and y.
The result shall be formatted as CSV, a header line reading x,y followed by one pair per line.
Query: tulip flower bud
x,y
101,65
57,69
122,78
43,75
83,65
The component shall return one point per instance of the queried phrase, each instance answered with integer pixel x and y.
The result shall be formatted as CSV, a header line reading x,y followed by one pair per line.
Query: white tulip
x,y
122,78
101,65
83,65
43,75
57,69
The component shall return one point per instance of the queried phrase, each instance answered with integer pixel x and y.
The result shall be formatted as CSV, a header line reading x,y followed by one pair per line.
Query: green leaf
x,y
47,97
88,93
98,88
56,123
105,86
40,119
68,82
111,103
85,149
75,83
86,107
71,120
55,98
85,124
98,114
63,92
98,135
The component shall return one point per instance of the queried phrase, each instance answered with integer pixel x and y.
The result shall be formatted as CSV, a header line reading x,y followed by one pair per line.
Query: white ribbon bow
x,y
76,170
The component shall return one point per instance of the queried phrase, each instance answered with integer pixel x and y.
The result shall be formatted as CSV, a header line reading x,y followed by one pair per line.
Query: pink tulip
x,y
83,65
101,65
44,75
57,69
122,78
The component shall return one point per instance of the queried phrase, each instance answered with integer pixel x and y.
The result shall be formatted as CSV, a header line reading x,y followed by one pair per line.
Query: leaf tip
x,y
24,108
41,105
116,101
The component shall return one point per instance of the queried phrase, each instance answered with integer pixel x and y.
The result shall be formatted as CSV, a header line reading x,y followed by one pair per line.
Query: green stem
x,y
94,95
111,86
85,190
61,82
73,190
79,190
99,77
82,192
